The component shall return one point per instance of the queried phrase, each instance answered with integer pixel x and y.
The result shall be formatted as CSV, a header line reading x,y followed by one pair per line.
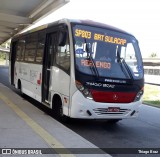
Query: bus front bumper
x,y
84,108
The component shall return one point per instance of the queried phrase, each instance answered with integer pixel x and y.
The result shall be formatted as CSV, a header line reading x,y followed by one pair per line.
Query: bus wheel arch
x,y
57,108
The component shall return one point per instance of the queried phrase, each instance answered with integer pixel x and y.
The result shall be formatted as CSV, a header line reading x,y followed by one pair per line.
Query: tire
x,y
20,88
58,111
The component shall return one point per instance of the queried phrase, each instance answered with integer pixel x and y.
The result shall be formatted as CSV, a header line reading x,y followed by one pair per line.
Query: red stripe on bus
x,y
113,97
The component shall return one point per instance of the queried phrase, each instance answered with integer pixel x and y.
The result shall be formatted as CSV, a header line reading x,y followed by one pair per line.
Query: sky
x,y
138,17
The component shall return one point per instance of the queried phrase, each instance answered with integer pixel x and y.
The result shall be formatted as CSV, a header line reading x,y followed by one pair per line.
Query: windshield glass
x,y
106,53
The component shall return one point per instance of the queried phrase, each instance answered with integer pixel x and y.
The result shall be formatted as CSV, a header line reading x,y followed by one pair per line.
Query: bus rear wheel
x,y
20,87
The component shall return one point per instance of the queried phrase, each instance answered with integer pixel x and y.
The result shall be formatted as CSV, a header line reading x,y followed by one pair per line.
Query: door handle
x,y
48,69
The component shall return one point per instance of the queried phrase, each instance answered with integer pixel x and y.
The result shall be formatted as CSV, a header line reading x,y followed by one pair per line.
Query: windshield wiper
x,y
122,62
89,55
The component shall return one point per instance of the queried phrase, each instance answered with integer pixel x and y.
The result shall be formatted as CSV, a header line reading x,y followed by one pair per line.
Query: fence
x,y
152,70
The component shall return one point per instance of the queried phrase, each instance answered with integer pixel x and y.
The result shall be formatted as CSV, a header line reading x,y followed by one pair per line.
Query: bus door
x,y
12,62
50,49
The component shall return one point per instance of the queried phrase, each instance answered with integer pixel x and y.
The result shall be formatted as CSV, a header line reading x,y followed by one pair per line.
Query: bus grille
x,y
102,111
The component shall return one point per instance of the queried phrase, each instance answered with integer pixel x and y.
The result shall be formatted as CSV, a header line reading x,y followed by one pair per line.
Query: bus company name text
x,y
100,85
100,37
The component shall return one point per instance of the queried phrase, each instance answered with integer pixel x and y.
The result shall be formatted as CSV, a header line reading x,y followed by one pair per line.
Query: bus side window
x,y
40,46
22,45
63,56
31,46
18,51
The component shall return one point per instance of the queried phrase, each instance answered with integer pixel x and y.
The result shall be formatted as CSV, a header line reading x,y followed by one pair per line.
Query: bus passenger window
x,y
39,55
22,44
26,55
30,51
40,46
63,56
18,52
31,55
31,45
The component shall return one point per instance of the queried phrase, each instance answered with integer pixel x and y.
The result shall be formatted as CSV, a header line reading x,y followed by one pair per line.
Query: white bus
x,y
80,69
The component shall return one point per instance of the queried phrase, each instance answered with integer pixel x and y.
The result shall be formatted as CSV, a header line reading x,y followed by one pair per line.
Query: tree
x,y
153,55
2,55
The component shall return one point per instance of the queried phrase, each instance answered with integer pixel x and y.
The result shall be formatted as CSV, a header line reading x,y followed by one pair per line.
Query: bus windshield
x,y
105,53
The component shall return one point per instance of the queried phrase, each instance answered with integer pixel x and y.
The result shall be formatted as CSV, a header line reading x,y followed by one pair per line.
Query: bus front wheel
x,y
58,110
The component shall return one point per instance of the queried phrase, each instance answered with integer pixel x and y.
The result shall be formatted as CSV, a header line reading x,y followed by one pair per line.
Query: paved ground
x,y
25,126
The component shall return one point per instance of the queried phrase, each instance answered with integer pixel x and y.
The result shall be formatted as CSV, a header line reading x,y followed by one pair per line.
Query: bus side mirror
x,y
62,38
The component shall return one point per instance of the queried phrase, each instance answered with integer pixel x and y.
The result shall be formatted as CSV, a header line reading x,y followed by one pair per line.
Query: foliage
x,y
153,54
2,55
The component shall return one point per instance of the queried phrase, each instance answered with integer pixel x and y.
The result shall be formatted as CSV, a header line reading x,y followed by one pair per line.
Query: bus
x,y
79,69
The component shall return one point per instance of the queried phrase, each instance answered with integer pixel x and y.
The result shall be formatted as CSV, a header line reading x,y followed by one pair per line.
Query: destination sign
x,y
98,64
99,37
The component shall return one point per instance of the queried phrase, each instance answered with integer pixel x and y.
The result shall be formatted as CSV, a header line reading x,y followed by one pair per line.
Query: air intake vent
x,y
102,111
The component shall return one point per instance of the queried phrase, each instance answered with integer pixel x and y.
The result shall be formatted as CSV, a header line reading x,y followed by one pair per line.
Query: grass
x,y
2,62
151,95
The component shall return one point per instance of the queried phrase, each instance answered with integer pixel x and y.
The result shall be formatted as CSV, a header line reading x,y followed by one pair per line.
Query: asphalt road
x,y
142,132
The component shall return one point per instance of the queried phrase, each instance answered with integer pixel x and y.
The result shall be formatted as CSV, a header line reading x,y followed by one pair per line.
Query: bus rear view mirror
x,y
62,38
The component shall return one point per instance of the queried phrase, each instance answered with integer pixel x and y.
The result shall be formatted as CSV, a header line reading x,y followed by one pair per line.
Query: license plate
x,y
113,109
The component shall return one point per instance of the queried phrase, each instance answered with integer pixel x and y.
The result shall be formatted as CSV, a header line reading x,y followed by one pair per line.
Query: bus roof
x,y
98,24
77,21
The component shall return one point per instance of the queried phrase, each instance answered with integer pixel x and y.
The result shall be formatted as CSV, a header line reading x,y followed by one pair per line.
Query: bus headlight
x,y
139,95
85,91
